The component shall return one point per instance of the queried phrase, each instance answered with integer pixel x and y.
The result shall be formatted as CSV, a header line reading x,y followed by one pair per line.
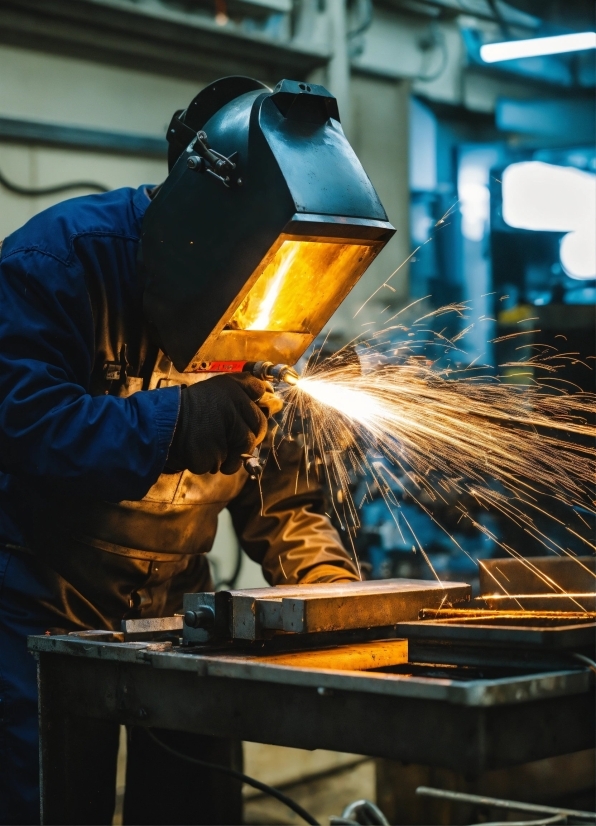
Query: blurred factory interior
x,y
487,170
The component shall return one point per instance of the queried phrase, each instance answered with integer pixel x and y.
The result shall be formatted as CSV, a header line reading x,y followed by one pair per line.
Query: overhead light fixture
x,y
548,198
536,46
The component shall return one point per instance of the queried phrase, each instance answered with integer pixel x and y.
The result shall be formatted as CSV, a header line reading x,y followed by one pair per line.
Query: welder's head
x,y
264,224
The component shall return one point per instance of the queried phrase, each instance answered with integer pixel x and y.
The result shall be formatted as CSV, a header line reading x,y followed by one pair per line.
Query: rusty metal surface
x,y
309,609
137,629
322,712
511,689
528,640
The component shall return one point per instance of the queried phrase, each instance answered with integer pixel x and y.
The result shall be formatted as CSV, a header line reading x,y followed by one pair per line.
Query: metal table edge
x,y
476,693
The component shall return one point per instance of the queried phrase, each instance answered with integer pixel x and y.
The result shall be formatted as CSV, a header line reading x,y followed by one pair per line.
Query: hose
x,y
360,813
436,38
586,660
365,23
32,192
515,805
250,781
544,821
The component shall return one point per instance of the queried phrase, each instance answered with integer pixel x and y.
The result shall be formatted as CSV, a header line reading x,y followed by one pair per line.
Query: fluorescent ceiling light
x,y
549,198
577,252
511,49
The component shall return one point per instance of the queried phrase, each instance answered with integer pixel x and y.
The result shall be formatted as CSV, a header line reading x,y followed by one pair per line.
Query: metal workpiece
x,y
138,629
368,604
325,607
501,638
540,583
548,629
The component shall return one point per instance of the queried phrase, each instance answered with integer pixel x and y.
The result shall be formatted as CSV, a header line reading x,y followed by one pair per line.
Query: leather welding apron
x,y
107,561
137,558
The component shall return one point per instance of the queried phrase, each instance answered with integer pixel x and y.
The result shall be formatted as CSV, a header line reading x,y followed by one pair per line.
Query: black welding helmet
x,y
264,224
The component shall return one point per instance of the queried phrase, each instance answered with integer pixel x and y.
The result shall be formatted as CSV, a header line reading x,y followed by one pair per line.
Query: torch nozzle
x,y
267,371
290,376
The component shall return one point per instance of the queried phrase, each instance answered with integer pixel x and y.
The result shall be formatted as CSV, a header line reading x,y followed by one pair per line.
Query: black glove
x,y
217,423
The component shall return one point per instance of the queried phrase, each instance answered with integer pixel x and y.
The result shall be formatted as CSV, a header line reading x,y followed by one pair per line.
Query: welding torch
x,y
264,370
276,373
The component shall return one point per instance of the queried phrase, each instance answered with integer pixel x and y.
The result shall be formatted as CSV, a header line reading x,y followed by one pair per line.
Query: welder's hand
x,y
218,422
269,402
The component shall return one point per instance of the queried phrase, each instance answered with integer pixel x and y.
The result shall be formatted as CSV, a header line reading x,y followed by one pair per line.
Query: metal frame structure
x,y
154,38
467,725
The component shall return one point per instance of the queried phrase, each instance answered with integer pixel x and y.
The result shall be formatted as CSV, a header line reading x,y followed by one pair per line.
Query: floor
x,y
322,782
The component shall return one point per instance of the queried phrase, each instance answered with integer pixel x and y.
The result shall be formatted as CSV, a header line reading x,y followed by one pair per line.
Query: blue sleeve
x,y
51,428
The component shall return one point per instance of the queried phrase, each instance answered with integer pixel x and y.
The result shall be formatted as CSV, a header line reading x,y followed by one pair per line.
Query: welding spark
x,y
446,437
456,614
579,595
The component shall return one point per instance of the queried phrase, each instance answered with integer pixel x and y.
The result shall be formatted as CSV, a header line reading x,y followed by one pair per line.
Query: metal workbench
x,y
470,724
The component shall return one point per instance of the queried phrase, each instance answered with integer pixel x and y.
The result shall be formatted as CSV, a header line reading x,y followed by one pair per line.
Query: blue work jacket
x,y
81,482
54,272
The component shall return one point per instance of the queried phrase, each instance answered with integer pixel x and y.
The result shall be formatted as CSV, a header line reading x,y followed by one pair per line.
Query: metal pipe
x,y
544,821
515,805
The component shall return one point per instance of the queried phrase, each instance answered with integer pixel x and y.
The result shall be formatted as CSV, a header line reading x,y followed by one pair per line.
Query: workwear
x,y
84,441
92,529
218,423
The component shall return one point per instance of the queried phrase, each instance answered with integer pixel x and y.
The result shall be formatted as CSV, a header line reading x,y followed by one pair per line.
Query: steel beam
x,y
151,38
15,130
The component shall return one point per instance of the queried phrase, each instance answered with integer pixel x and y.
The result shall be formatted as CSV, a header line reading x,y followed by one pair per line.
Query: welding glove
x,y
219,421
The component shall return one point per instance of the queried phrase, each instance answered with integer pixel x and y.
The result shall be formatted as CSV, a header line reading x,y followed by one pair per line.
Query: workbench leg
x,y
77,760
162,788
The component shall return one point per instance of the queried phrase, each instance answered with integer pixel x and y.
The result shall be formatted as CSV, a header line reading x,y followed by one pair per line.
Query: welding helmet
x,y
262,227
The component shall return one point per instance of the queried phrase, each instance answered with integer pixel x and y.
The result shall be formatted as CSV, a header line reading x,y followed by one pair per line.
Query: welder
x,y
131,327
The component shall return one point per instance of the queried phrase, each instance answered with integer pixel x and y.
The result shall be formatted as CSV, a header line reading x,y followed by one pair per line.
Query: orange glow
x,y
484,613
302,283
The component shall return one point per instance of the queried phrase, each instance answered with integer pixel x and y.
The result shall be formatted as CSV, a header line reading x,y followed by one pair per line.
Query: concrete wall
x,y
68,91
379,134
38,167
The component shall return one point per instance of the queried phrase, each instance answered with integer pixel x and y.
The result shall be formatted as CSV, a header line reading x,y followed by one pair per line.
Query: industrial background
x,y
87,88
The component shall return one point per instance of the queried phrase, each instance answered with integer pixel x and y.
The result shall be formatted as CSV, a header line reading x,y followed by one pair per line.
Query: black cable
x,y
439,40
250,781
586,661
544,821
365,24
50,190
